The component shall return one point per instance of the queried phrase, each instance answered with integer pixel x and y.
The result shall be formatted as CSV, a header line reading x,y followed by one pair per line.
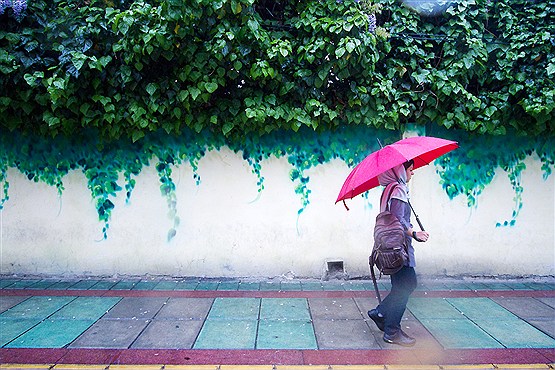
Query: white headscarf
x,y
396,174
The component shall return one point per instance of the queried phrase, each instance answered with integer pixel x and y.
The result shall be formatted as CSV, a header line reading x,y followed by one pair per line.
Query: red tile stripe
x,y
275,357
273,294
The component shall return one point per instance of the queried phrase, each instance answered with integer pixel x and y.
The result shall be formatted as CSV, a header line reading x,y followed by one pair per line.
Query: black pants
x,y
393,306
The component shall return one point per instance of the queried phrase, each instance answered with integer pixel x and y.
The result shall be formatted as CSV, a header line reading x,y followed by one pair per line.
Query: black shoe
x,y
377,318
400,339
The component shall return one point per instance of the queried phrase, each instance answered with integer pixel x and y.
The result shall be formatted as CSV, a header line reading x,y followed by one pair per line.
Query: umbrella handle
x,y
345,204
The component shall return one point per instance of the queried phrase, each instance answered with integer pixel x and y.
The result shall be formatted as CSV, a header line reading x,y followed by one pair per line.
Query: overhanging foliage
x,y
249,67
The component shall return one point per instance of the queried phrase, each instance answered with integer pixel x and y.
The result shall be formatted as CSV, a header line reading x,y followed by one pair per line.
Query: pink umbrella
x,y
421,149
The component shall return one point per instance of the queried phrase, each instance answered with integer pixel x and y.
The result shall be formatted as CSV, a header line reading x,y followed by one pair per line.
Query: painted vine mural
x,y
464,172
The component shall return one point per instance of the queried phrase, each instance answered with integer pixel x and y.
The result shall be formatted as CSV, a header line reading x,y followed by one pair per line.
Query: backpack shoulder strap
x,y
386,196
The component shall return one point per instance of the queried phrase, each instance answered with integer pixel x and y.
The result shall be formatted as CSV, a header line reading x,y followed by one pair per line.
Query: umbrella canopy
x,y
421,149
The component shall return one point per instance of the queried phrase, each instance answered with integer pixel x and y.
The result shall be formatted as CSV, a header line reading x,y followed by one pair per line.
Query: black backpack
x,y
390,252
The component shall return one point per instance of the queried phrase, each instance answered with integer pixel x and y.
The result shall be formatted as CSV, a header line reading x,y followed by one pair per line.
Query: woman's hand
x,y
420,236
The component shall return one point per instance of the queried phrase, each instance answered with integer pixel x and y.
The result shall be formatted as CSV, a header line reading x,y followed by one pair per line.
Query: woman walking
x,y
389,312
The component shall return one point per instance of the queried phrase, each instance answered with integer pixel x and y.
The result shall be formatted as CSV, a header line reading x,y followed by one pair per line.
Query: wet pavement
x,y
209,323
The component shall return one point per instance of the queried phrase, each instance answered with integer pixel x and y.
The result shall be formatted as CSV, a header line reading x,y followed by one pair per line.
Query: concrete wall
x,y
229,229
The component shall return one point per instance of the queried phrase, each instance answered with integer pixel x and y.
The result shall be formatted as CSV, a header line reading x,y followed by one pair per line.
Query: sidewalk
x,y
290,324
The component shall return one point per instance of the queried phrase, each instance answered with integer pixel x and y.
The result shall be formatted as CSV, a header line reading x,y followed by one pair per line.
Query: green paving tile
x,y
235,309
270,286
166,285
516,333
124,285
103,285
312,286
497,286
207,285
14,327
459,333
477,308
249,286
286,334
228,285
333,286
145,285
86,308
43,284
358,286
51,334
37,307
433,308
186,285
477,286
284,308
62,285
5,283
287,286
456,286
227,334
540,286
518,286
22,284
84,284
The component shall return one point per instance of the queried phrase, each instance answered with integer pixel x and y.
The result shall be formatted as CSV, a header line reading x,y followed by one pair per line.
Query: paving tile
x,y
207,285
540,286
312,285
288,286
84,284
433,308
51,334
172,333
146,285
281,334
547,326
358,286
22,284
37,307
527,308
6,283
270,286
550,301
365,304
42,284
227,334
86,308
103,285
334,309
333,286
10,301
185,309
186,285
516,333
14,327
235,309
166,285
284,308
459,333
62,285
136,308
478,308
425,341
344,334
124,285
109,333
229,285
249,286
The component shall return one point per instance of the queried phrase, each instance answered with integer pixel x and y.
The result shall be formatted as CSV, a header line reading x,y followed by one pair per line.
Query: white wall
x,y
226,231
